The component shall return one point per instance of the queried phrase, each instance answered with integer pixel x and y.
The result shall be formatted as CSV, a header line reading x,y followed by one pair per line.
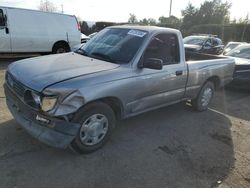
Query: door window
x,y
208,42
2,19
164,47
215,42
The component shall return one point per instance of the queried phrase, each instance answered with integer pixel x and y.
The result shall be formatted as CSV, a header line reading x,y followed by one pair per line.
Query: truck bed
x,y
193,56
203,66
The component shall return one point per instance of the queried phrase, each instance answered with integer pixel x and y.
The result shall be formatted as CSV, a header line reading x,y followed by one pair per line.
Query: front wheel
x,y
201,102
97,123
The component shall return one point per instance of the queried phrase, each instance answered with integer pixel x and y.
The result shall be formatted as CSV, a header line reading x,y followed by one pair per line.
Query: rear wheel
x,y
97,123
204,97
60,48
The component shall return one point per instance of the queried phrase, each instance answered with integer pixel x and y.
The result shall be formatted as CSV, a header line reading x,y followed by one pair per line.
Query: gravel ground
x,y
170,147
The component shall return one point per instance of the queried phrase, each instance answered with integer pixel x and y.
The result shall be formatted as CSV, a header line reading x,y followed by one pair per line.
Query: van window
x,y
164,47
2,20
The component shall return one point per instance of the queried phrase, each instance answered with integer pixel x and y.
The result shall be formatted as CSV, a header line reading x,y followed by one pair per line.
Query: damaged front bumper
x,y
49,130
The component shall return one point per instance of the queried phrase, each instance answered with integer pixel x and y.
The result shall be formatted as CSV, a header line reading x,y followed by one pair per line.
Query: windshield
x,y
194,40
231,46
116,45
242,51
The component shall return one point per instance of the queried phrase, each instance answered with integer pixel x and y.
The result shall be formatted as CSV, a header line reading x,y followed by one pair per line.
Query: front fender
x,y
70,104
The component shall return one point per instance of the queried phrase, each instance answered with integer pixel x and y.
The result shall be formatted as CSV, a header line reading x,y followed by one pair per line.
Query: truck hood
x,y
41,72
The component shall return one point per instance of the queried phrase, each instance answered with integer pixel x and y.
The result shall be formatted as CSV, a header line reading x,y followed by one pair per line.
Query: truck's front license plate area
x,y
41,119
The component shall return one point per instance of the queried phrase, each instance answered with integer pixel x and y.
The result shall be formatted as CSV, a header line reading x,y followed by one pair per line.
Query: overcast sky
x,y
118,11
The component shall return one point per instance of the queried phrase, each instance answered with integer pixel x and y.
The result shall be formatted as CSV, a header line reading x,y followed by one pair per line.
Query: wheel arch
x,y
113,102
215,80
60,42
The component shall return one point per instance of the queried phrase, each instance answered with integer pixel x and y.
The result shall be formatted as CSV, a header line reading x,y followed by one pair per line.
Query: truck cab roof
x,y
150,29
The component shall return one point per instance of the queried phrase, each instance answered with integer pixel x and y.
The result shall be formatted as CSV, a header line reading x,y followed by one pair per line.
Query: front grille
x,y
16,86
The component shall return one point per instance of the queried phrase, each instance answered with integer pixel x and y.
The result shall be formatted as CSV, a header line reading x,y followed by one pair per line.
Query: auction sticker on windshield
x,y
137,33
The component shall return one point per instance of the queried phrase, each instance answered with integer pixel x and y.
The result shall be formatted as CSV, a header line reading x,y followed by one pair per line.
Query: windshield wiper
x,y
82,52
104,57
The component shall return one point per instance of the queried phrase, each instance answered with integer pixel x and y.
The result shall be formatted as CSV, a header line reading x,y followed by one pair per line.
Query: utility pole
x,y
62,8
46,6
170,9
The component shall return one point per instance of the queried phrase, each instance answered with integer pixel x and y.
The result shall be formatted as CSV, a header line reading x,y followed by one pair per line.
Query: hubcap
x,y
206,97
60,50
94,129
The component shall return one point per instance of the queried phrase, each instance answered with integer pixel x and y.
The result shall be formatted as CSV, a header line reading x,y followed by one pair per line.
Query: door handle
x,y
179,73
7,30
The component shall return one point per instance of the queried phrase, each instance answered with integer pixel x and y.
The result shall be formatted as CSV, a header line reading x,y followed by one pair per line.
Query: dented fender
x,y
69,101
70,104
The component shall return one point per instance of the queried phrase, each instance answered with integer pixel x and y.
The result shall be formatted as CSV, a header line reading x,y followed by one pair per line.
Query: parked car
x,y
241,54
231,45
84,38
92,34
28,31
208,44
83,41
75,98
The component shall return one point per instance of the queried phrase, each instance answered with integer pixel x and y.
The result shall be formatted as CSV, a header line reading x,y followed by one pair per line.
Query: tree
x,y
171,21
93,29
101,25
189,16
84,27
151,21
245,27
132,18
144,21
210,12
47,6
214,12
244,20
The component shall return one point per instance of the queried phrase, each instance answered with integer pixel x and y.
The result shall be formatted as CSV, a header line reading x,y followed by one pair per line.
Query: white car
x,y
92,34
28,31
84,38
231,45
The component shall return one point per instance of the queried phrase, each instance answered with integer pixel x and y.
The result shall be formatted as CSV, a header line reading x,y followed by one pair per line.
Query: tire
x,y
60,48
202,101
97,124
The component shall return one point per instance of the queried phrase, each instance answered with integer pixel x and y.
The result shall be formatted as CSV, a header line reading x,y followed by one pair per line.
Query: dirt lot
x,y
170,147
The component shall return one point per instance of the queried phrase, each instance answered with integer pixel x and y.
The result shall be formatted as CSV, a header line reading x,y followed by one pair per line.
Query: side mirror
x,y
153,63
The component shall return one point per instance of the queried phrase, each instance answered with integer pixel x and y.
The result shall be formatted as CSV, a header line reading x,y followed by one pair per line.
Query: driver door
x,y
4,32
165,86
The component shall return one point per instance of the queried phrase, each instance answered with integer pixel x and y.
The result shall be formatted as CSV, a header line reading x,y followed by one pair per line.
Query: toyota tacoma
x,y
74,99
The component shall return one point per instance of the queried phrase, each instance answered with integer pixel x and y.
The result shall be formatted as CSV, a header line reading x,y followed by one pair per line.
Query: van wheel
x,y
60,48
97,123
204,97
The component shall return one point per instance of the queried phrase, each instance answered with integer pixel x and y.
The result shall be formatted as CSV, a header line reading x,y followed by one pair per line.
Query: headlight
x,y
48,103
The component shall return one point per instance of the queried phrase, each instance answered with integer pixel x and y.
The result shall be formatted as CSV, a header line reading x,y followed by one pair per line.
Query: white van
x,y
28,31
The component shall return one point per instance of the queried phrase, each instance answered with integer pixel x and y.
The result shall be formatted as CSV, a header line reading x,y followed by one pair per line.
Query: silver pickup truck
x,y
74,99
